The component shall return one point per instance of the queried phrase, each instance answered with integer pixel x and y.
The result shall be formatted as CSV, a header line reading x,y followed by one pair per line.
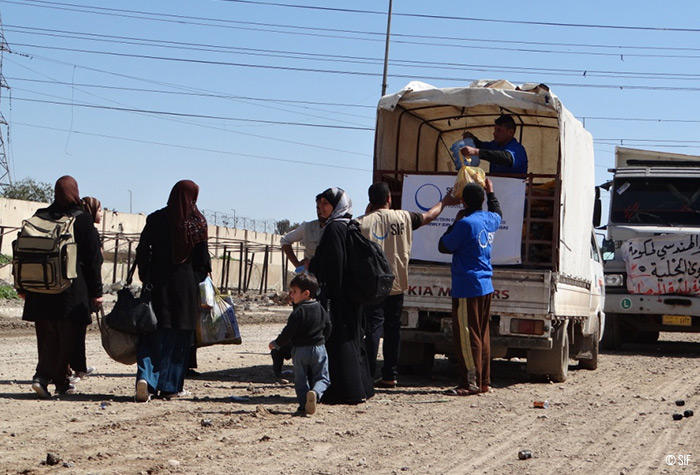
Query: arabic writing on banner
x,y
421,192
668,264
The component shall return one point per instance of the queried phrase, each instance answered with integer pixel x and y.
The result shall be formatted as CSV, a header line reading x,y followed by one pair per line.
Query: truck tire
x,y
592,363
553,363
612,336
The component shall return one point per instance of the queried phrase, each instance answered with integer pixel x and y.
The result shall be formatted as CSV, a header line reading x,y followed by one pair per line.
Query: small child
x,y
307,329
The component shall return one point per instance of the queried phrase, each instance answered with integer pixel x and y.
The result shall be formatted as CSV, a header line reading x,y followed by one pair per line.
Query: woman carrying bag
x,y
172,250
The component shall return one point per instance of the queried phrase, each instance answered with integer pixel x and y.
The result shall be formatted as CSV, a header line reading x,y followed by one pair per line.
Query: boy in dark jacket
x,y
307,329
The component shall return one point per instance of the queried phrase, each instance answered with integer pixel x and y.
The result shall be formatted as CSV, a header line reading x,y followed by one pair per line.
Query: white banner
x,y
421,192
668,264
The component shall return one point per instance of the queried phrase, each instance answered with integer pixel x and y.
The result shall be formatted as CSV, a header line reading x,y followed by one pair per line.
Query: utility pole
x,y
5,177
386,49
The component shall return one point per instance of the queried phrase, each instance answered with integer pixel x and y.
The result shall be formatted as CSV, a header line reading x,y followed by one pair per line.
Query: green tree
x,y
29,190
283,226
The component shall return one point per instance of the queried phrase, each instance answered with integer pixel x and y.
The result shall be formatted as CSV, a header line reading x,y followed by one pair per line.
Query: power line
x,y
200,94
356,59
354,73
199,149
319,103
198,116
598,140
474,19
454,42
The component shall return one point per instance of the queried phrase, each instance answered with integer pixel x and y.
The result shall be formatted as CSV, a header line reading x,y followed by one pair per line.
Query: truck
x,y
652,246
548,303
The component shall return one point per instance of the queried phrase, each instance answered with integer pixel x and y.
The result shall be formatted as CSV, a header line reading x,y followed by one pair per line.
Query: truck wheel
x,y
553,363
592,363
612,336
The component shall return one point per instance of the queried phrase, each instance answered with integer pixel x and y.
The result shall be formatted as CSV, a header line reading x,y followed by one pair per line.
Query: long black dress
x,y
349,369
59,317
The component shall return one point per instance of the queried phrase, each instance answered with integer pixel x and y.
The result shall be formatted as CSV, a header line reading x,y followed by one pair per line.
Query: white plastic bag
x,y
206,293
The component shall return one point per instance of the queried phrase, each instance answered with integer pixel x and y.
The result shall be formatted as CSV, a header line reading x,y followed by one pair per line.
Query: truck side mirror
x,y
608,249
597,208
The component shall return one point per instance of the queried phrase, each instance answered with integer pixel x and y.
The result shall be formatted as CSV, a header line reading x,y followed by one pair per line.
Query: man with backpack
x,y
61,287
393,230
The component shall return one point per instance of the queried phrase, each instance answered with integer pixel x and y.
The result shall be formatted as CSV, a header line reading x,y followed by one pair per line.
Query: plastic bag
x,y
218,325
206,293
459,159
468,175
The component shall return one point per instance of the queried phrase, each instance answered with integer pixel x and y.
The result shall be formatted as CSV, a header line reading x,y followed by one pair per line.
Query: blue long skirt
x,y
162,359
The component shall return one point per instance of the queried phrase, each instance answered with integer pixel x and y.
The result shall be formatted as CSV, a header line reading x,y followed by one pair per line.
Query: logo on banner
x,y
427,195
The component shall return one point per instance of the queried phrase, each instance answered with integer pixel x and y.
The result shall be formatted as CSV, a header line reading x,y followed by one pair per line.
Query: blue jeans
x,y
384,319
162,359
310,371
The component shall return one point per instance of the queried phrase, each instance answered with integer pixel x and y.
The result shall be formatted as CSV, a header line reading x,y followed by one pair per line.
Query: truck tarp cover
x,y
417,125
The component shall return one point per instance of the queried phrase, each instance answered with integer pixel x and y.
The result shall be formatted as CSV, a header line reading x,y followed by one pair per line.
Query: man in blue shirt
x,y
505,153
469,240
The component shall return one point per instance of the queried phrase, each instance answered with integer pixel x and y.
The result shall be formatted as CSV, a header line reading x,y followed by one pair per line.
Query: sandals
x,y
462,391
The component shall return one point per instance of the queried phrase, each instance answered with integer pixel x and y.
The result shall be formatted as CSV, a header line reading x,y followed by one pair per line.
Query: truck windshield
x,y
658,200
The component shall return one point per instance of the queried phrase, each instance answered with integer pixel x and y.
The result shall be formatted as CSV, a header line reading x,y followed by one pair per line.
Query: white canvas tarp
x,y
417,125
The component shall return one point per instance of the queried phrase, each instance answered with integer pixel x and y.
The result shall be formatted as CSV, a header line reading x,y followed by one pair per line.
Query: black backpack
x,y
369,278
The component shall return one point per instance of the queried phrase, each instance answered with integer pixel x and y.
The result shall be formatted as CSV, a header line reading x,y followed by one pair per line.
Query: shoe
x,y
73,379
83,374
70,389
485,389
386,384
462,391
181,394
142,394
311,399
192,373
41,390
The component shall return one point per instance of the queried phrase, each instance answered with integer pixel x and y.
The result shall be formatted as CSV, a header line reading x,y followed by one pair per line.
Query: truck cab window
x,y
655,201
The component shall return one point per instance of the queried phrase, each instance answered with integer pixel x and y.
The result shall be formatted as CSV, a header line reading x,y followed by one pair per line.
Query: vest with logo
x,y
393,231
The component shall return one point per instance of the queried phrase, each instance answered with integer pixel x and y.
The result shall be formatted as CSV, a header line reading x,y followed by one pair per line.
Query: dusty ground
x,y
616,420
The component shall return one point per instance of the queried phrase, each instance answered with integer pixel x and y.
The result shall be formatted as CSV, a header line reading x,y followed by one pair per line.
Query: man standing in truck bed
x,y
504,152
469,241
393,230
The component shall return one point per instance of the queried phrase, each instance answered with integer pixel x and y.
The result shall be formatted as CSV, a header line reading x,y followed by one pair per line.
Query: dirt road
x,y
615,420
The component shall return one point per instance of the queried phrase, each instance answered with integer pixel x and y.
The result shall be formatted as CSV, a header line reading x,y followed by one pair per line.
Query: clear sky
x,y
266,104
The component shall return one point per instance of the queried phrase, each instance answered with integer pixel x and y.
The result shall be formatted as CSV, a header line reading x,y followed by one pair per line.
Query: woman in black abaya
x,y
349,370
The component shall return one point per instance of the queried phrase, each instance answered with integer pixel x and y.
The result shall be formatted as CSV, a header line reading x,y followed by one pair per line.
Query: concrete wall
x,y
120,234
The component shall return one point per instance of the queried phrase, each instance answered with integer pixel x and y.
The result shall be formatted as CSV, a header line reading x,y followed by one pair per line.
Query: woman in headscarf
x,y
172,257
78,368
58,318
348,366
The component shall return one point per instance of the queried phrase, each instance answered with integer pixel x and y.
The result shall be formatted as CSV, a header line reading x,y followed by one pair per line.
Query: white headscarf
x,y
342,204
